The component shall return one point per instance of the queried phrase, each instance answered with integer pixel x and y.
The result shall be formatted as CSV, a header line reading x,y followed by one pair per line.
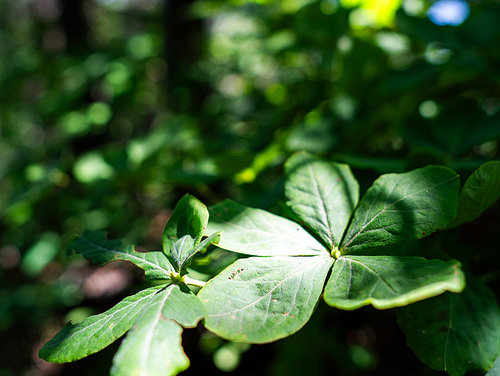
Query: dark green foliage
x,y
111,111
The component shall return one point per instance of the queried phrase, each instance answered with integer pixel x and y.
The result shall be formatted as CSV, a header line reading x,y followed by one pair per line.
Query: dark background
x,y
110,111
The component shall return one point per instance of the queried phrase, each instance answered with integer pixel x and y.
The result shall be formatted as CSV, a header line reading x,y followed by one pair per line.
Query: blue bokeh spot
x,y
449,12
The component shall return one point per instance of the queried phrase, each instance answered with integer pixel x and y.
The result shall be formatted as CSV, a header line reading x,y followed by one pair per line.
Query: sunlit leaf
x,y
96,332
257,232
262,299
495,368
402,207
94,246
389,281
322,194
153,346
455,332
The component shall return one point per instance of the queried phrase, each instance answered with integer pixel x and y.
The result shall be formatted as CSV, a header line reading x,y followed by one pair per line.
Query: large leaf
x,y
389,281
403,207
96,332
257,232
95,247
153,346
455,332
480,191
322,194
262,299
190,217
495,368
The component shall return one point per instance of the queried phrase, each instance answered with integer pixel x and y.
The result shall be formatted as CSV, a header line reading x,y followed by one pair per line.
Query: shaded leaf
x,y
190,217
455,332
402,207
322,194
258,232
153,346
389,281
262,299
480,191
94,246
96,332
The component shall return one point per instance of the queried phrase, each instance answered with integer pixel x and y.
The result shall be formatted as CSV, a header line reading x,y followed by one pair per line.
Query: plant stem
x,y
194,282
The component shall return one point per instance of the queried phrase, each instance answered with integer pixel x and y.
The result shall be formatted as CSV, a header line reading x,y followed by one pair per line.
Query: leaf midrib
x,y
132,255
150,335
323,205
374,272
383,210
274,288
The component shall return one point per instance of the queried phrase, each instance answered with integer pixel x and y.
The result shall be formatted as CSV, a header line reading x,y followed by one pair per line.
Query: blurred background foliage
x,y
111,110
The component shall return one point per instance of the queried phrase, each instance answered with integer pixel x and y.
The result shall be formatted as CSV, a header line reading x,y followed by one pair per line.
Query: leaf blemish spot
x,y
234,274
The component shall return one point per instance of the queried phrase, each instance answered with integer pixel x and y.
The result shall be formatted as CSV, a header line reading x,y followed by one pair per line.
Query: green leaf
x,y
260,233
322,194
402,207
455,332
94,246
495,368
183,306
153,346
190,217
180,251
262,299
480,191
389,281
96,332
184,249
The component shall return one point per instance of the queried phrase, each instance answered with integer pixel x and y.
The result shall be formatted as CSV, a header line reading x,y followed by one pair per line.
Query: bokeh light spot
x,y
449,12
428,109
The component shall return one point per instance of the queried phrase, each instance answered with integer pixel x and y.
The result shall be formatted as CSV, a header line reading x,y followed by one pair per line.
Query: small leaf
x,y
322,194
186,250
401,207
454,332
153,346
96,332
262,299
94,246
389,281
260,233
180,251
480,191
212,239
190,217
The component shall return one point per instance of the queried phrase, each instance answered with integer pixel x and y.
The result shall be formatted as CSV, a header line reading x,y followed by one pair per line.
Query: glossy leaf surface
x,y
94,246
96,332
188,221
322,194
262,299
480,191
402,207
389,281
455,332
260,233
153,346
